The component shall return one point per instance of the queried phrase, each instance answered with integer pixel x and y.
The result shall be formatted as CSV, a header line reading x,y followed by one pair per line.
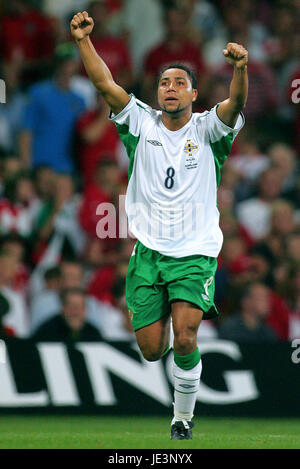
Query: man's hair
x,y
181,66
52,273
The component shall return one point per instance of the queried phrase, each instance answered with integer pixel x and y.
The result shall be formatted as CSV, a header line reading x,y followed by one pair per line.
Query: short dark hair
x,y
52,273
184,67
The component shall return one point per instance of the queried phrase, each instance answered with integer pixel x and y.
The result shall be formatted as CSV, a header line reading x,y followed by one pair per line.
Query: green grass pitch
x,y
61,432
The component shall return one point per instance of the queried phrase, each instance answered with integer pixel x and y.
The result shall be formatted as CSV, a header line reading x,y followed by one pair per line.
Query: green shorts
x,y
154,281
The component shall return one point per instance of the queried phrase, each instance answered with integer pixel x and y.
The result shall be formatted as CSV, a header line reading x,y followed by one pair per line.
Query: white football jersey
x,y
171,199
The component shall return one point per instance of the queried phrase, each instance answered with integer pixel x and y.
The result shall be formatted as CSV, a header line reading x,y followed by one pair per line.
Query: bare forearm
x,y
115,96
239,88
229,109
95,67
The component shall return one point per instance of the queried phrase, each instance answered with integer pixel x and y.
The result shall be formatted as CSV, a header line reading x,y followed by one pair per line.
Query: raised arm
x,y
229,109
115,96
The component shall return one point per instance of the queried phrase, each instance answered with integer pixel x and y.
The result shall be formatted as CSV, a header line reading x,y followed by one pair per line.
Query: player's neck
x,y
175,121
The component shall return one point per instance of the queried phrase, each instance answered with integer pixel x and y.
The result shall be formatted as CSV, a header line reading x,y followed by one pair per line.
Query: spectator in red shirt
x,y
98,139
104,190
18,206
101,283
112,49
175,48
26,37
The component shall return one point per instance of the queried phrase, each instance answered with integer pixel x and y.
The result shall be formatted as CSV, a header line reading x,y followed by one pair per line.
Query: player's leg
x,y
187,366
190,283
153,340
148,303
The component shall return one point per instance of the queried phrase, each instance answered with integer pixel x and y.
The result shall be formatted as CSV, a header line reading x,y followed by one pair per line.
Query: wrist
x,y
82,40
240,68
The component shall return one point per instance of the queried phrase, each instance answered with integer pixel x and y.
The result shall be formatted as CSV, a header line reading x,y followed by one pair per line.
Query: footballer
x,y
175,161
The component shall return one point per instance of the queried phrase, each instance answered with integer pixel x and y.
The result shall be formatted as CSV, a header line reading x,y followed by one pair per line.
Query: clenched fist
x,y
81,25
236,55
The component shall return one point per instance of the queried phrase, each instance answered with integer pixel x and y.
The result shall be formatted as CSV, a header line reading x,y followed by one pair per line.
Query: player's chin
x,y
171,106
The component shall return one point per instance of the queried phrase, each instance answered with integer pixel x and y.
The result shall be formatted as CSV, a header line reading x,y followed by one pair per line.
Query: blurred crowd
x,y
60,157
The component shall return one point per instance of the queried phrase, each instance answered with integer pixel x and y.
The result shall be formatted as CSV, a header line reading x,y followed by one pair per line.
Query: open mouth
x,y
171,99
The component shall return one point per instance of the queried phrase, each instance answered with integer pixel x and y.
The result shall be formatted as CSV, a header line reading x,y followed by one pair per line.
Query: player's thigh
x,y
192,280
146,294
154,338
185,317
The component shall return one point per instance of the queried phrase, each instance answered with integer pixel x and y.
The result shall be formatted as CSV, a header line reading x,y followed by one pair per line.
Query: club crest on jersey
x,y
191,161
189,147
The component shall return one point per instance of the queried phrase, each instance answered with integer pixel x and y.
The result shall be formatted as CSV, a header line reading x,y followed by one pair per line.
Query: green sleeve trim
x,y
130,142
187,362
221,149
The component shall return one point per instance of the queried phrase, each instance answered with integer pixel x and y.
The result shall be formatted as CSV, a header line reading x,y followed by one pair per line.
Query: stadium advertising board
x,y
113,378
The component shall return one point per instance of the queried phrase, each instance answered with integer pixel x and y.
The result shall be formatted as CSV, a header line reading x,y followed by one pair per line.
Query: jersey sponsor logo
x,y
155,143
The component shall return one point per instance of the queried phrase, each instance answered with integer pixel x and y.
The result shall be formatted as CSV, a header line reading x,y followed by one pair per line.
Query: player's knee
x,y
151,355
184,341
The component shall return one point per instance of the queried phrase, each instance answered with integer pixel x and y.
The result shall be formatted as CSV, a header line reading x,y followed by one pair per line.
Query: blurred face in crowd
x,y
233,248
64,188
53,283
108,177
282,218
25,192
283,159
259,267
257,301
94,254
74,310
98,11
71,275
235,19
175,91
175,21
8,269
218,93
293,247
283,21
44,182
67,69
14,248
11,166
270,184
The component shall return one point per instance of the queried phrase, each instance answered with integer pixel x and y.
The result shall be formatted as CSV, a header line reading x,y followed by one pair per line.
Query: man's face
x,y
72,275
74,311
175,92
258,301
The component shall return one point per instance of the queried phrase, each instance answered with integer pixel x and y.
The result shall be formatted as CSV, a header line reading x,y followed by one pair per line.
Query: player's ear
x,y
195,95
